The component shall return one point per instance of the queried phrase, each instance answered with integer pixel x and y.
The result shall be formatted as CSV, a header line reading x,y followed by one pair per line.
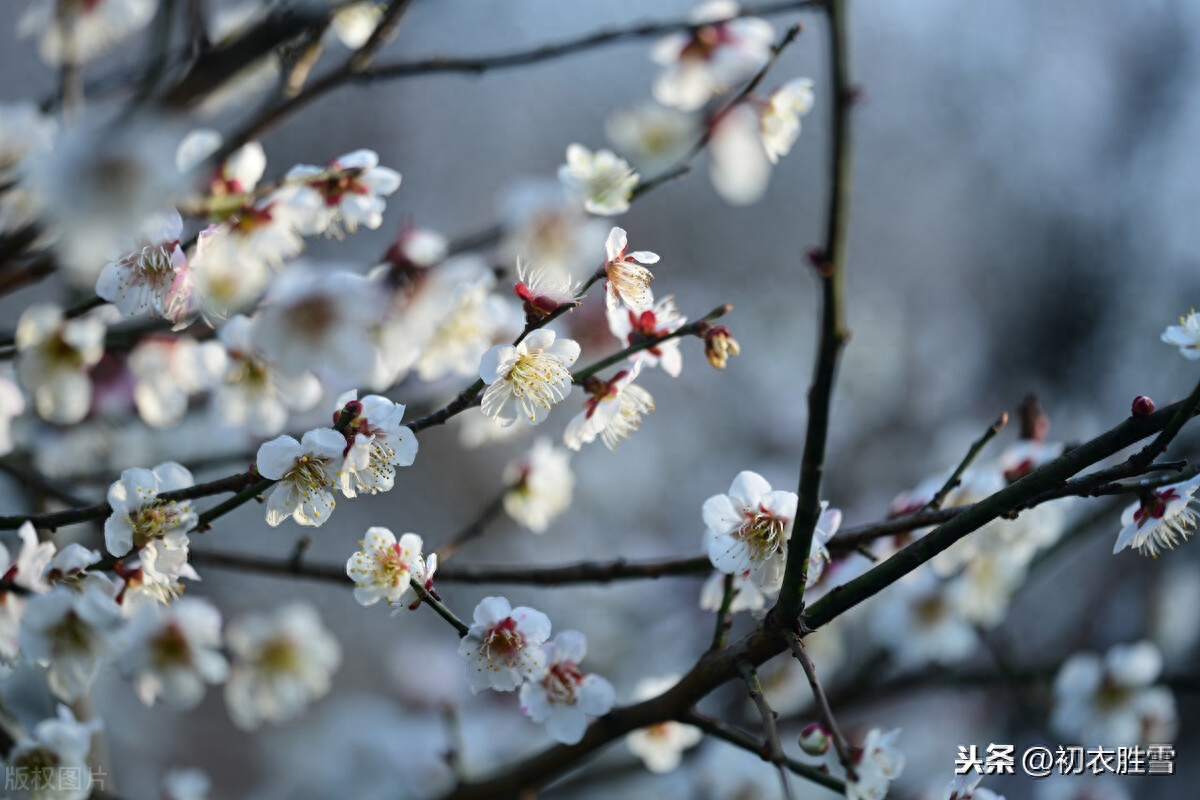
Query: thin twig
x,y
774,747
831,265
955,478
437,605
727,733
810,671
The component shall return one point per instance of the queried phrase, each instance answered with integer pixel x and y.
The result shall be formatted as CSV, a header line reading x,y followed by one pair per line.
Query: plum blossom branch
x,y
976,448
810,671
480,64
727,733
438,606
773,747
831,267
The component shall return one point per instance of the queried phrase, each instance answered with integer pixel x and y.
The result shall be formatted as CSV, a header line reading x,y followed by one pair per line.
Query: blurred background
x,y
1026,185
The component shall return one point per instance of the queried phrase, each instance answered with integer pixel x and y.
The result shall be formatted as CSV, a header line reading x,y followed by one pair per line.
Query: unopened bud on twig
x,y
815,740
1142,406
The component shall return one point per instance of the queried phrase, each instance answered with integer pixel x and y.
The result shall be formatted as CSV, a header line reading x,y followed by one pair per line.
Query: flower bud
x,y
1142,406
719,345
814,739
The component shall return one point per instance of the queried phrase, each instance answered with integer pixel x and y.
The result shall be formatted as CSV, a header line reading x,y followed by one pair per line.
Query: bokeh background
x,y
1024,220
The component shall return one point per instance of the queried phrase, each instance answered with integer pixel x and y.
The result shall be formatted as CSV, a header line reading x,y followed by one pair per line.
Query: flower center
x,y
279,656
170,647
153,521
71,635
534,376
308,474
763,532
561,682
503,641
60,353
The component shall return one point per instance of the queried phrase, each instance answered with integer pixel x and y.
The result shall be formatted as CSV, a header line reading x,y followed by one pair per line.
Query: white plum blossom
x,y
749,529
746,596
312,320
70,564
544,225
503,648
378,443
1160,520
24,570
983,589
628,281
918,620
453,320
384,568
564,697
171,652
1114,699
660,319
282,661
59,747
263,232
660,746
541,485
780,118
739,166
654,137
53,356
878,762
613,411
74,33
1185,336
170,370
711,57
216,282
140,280
255,394
100,185
71,631
308,475
346,193
526,380
141,521
186,784
603,180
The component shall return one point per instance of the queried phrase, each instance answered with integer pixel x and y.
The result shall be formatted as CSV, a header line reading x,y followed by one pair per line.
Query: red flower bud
x,y
1142,406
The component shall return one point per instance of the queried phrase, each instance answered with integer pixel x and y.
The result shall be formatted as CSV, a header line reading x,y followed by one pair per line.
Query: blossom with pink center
x,y
503,648
541,485
564,697
749,529
141,279
613,411
711,57
543,291
660,319
157,529
384,568
173,651
628,281
1162,519
348,192
376,443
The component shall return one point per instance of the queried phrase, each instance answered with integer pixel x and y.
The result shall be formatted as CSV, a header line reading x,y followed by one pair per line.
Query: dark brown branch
x,y
727,733
810,671
773,746
831,267
724,622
